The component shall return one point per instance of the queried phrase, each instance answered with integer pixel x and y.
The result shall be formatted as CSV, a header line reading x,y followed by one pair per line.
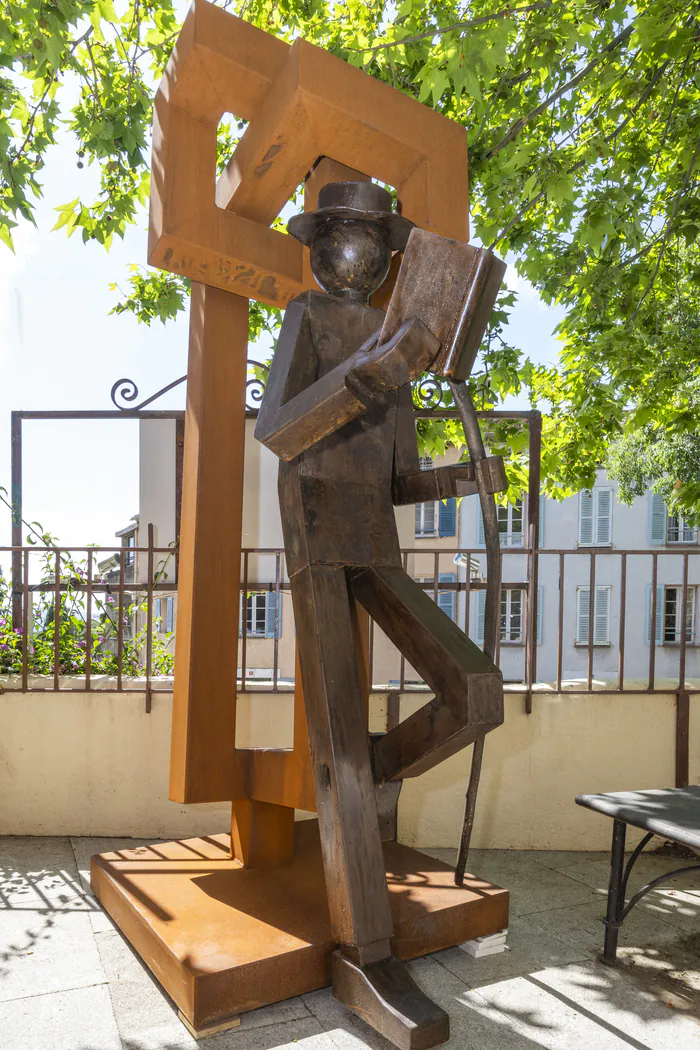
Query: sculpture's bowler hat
x,y
352,200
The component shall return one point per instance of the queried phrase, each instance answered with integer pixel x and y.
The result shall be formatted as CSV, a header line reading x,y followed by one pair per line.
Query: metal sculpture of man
x,y
338,412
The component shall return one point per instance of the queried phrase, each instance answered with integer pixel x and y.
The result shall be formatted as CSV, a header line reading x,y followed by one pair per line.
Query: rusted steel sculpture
x,y
337,411
233,921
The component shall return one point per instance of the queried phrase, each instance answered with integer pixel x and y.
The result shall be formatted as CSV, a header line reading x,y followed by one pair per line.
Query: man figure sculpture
x,y
337,411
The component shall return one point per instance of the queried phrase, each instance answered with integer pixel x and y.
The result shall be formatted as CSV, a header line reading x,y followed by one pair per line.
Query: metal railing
x,y
67,624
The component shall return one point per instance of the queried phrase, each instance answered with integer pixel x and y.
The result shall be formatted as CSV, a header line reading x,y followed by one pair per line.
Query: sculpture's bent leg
x,y
468,687
365,977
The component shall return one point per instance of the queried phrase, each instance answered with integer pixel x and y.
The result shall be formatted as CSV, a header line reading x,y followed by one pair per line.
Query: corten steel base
x,y
223,939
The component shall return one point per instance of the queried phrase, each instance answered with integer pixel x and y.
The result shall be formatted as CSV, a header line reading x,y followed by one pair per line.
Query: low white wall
x,y
97,764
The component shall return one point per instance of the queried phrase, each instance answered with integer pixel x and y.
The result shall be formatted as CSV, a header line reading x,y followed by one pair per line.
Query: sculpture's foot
x,y
385,996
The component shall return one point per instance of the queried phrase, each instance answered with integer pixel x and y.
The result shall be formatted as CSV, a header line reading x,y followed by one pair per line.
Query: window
x,y
512,616
128,543
426,516
168,615
262,619
669,615
668,528
601,615
678,530
256,614
595,518
510,524
426,462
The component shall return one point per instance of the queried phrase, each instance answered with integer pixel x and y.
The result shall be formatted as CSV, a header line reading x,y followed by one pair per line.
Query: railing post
x,y
682,738
16,500
533,517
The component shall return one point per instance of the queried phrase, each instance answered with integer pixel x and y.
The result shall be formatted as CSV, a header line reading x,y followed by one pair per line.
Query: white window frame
x,y
511,538
677,589
252,605
598,642
599,536
506,616
420,518
684,533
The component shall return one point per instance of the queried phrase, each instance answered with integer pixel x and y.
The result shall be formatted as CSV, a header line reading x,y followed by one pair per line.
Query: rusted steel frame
x,y
560,633
88,623
684,599
25,620
623,612
244,621
453,413
149,619
56,618
591,619
120,628
652,624
16,501
533,516
371,653
682,738
402,661
436,573
276,628
179,460
127,413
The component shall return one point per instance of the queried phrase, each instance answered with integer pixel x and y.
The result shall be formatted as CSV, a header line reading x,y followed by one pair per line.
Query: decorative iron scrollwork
x,y
126,390
430,393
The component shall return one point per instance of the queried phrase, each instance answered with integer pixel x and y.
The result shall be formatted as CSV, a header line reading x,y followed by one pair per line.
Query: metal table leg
x,y
616,900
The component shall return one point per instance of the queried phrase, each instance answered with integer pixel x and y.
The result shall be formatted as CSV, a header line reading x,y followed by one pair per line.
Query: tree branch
x,y
506,12
515,128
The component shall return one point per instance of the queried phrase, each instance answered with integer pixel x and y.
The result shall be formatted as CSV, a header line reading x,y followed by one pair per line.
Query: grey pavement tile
x,y
303,1033
46,952
80,1019
142,1010
624,1002
347,1031
146,1015
528,949
523,1008
39,873
470,1029
84,847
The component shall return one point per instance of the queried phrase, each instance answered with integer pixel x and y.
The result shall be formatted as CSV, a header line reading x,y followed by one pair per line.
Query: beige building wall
x,y
97,764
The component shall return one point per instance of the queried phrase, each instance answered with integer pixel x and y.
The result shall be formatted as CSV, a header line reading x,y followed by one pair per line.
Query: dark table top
x,y
673,813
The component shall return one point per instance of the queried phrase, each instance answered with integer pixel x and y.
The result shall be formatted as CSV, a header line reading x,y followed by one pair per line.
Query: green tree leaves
x,y
582,119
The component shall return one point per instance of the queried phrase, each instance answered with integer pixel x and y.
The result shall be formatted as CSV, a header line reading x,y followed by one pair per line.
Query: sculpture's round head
x,y
351,234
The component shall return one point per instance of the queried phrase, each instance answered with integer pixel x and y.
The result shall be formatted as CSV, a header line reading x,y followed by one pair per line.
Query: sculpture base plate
x,y
223,939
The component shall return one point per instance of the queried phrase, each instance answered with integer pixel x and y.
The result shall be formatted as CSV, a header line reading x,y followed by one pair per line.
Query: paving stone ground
x,y
69,981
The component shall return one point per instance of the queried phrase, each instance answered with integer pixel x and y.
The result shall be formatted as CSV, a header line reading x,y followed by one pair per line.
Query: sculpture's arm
x,y
413,485
299,410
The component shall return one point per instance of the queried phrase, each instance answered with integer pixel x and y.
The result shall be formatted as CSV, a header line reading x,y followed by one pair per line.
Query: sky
x,y
61,349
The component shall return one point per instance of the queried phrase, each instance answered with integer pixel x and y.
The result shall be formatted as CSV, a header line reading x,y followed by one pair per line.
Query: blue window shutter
x,y
659,613
480,616
271,615
657,519
448,517
419,521
446,599
480,538
169,615
540,602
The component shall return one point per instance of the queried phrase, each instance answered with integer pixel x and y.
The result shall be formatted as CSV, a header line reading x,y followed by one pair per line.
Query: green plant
x,y
60,636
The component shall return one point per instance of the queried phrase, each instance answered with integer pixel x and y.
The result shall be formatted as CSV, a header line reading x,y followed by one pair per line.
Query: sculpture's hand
x,y
390,365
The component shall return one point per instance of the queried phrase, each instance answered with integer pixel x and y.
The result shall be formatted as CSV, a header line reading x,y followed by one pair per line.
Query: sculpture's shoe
x,y
385,996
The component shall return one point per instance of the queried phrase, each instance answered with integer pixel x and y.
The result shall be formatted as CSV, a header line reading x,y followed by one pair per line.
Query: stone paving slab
x,y
79,1019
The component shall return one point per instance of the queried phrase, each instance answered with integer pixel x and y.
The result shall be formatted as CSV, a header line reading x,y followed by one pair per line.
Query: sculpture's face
x,y
350,258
